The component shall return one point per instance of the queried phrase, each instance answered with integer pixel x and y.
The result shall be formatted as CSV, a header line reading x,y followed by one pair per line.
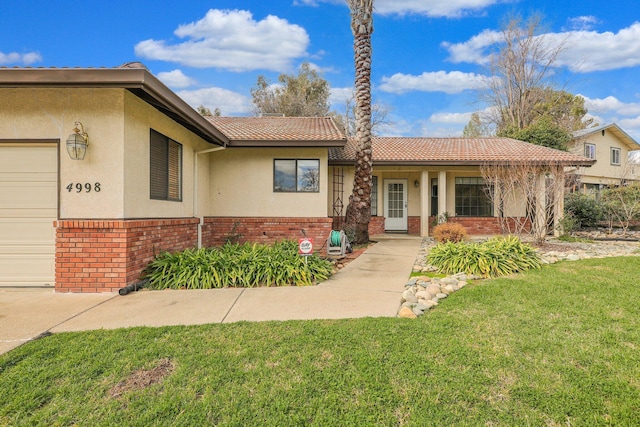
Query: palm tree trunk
x,y
358,212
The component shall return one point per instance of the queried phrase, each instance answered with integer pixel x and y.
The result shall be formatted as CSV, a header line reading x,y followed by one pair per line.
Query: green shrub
x,y
585,210
496,257
449,232
234,265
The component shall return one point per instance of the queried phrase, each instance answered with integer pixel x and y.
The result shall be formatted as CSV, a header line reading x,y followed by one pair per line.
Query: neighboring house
x,y
610,147
157,176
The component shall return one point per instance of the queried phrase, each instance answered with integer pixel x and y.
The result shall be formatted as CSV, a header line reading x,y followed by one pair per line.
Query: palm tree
x,y
358,212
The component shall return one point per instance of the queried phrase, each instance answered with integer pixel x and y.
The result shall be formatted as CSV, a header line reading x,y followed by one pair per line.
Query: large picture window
x,y
165,176
296,175
471,197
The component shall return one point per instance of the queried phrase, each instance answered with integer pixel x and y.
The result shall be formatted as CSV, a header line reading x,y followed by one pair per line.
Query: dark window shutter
x,y
175,171
158,166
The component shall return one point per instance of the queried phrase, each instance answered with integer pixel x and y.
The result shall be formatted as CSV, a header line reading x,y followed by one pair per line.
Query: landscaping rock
x,y
407,313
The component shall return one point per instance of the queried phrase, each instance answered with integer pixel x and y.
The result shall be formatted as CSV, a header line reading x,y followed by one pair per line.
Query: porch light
x,y
416,183
77,142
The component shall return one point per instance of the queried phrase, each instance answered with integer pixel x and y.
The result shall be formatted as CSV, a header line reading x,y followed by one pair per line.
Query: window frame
x,y
169,169
298,188
615,150
479,203
590,150
374,195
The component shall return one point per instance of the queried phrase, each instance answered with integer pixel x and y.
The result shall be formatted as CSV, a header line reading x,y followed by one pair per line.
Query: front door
x,y
395,206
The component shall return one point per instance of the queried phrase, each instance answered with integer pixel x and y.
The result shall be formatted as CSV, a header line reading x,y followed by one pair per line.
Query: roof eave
x,y
585,163
139,81
286,143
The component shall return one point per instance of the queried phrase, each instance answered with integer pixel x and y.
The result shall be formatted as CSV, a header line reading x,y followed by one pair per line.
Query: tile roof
x,y
279,131
455,151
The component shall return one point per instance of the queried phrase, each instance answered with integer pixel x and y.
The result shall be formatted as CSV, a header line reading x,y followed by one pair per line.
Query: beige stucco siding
x,y
603,172
50,114
118,124
140,117
242,184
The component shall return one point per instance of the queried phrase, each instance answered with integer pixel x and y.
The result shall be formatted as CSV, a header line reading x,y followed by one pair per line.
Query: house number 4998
x,y
87,187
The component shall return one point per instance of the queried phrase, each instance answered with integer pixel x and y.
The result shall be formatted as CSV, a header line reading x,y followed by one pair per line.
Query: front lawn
x,y
555,346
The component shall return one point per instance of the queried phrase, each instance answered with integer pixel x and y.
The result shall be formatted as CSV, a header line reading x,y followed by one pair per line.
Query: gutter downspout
x,y
195,188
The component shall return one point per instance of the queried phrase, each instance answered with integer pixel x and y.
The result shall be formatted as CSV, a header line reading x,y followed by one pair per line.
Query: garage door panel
x,y
36,270
32,195
20,160
27,232
28,207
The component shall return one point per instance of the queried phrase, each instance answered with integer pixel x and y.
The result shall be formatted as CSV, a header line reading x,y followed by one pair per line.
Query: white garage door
x,y
28,207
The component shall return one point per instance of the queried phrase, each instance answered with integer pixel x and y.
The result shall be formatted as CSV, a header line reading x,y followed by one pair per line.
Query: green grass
x,y
555,346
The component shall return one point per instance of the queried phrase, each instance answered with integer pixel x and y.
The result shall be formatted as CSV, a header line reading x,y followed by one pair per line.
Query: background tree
x,y
303,95
542,132
346,119
519,71
358,212
475,128
204,111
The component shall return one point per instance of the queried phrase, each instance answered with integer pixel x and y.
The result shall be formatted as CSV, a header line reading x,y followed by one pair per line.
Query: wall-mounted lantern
x,y
77,142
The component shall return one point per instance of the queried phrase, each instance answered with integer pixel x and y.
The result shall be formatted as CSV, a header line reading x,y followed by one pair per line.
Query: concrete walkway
x,y
369,286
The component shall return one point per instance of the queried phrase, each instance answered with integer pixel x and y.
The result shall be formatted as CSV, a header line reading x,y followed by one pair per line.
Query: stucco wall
x,y
242,184
118,124
51,113
139,118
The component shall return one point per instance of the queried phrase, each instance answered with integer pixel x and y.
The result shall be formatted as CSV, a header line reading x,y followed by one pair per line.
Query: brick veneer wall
x,y
413,224
376,225
478,225
106,255
216,230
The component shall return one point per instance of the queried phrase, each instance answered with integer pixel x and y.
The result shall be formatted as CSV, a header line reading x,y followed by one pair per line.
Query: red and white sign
x,y
305,246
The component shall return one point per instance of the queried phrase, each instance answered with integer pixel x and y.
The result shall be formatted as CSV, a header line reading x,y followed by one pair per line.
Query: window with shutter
x,y
165,177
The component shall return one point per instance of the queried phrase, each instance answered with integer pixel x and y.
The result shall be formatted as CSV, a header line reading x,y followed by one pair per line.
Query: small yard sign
x,y
305,246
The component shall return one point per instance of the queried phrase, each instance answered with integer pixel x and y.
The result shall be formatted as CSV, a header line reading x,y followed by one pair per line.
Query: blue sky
x,y
427,54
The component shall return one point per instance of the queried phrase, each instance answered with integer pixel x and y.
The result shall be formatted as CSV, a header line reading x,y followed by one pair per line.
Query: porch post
x,y
442,192
425,203
558,201
541,206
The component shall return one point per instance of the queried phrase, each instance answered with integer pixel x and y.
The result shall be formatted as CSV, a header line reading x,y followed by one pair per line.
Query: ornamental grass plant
x,y
498,256
237,265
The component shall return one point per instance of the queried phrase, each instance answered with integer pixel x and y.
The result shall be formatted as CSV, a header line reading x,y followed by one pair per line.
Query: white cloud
x,y
611,104
584,51
473,50
432,8
232,40
229,102
451,118
175,79
581,23
439,81
588,51
20,58
338,96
